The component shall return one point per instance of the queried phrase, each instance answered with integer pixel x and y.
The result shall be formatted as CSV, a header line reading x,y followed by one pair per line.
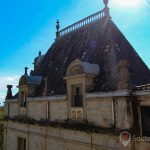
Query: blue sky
x,y
28,26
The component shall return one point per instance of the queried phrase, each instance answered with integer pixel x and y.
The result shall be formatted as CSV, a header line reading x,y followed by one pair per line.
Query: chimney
x,y
46,91
9,92
123,75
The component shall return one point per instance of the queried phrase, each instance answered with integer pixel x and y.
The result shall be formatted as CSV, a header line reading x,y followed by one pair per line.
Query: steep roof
x,y
99,42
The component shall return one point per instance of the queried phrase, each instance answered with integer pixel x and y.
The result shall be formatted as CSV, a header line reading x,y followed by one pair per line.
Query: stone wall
x,y
58,110
49,138
13,109
37,110
99,111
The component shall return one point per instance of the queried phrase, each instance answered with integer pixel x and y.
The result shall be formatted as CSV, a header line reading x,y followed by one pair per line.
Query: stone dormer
x,y
79,79
27,87
85,70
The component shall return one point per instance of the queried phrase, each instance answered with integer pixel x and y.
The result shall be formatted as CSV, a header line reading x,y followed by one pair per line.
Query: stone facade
x,y
99,112
96,122
83,94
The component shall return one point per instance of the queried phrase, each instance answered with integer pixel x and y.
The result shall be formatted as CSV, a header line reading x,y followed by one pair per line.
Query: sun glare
x,y
128,3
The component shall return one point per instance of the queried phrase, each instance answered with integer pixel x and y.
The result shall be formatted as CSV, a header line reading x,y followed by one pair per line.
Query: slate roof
x,y
38,59
90,68
30,80
99,42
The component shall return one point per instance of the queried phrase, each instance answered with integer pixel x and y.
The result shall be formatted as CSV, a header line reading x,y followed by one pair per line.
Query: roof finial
x,y
105,2
57,25
26,70
106,9
57,28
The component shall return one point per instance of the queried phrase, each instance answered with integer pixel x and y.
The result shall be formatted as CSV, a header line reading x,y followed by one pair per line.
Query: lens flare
x,y
128,3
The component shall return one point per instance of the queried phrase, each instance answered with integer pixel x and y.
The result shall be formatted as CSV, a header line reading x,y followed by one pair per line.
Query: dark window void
x,y
21,143
77,97
145,114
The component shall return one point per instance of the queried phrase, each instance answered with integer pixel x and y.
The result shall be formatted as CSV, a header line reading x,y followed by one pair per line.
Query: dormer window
x,y
23,99
79,76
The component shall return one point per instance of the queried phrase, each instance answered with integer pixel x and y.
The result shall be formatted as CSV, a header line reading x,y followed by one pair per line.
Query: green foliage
x,y
1,127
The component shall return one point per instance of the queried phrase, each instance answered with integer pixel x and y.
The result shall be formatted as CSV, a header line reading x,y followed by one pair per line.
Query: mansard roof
x,y
99,42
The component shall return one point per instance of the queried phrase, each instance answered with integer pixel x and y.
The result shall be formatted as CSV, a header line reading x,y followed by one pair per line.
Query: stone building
x,y
90,91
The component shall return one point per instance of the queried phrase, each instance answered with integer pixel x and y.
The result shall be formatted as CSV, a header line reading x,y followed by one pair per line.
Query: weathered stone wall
x,y
99,111
12,132
37,109
58,110
13,109
123,113
142,145
40,138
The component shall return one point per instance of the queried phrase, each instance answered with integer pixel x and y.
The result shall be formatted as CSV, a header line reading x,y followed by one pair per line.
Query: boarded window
x,y
21,143
145,113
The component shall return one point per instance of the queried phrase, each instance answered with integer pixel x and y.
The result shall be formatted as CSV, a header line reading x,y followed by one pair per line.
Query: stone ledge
x,y
66,124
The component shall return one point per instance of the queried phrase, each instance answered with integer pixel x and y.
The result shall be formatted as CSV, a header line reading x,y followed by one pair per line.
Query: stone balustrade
x,y
82,23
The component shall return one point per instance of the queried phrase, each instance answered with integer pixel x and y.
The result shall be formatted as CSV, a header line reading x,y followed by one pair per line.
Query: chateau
x,y
90,91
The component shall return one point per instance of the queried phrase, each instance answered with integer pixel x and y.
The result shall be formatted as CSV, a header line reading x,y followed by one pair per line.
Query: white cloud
x,y
4,81
11,78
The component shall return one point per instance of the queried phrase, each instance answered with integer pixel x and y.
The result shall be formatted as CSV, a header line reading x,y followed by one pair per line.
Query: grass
x,y
1,127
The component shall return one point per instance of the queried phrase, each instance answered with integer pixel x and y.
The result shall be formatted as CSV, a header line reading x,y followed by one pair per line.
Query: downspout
x,y
91,140
28,137
113,112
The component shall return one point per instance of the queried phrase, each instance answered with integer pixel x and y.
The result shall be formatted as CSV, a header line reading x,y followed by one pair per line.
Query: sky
x,y
28,26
